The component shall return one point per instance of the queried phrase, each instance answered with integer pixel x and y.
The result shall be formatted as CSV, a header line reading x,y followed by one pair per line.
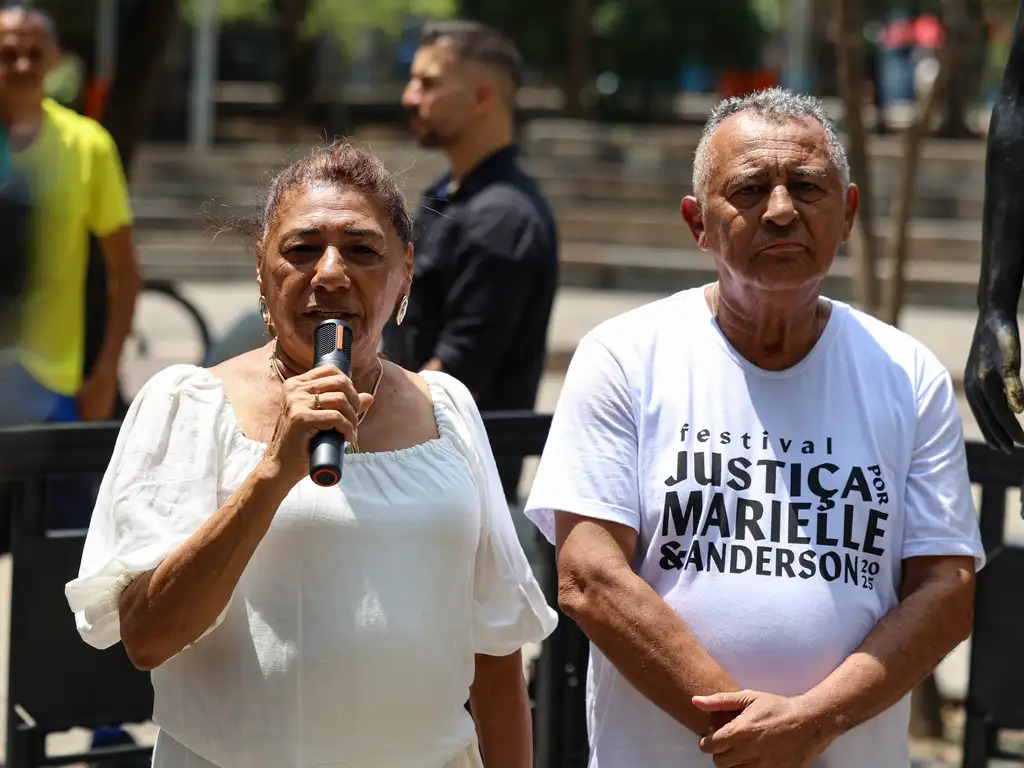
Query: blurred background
x,y
205,99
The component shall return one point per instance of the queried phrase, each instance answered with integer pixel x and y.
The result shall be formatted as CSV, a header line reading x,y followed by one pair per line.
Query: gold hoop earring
x,y
402,309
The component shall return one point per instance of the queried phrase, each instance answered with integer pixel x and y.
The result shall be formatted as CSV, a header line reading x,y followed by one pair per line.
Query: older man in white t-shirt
x,y
759,496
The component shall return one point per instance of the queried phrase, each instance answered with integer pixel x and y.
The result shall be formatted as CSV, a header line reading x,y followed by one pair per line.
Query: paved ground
x,y
946,332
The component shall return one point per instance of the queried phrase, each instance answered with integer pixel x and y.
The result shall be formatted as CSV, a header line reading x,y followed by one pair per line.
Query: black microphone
x,y
332,344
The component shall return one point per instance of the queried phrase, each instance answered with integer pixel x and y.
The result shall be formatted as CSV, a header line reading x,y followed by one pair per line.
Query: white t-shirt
x,y
773,508
350,637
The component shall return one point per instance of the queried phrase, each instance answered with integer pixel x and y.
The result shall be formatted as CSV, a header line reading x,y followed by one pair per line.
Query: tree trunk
x,y
578,69
864,244
142,48
965,79
913,140
142,44
294,77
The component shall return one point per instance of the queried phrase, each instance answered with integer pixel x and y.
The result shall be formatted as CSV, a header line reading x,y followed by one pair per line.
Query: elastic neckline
x,y
440,420
836,318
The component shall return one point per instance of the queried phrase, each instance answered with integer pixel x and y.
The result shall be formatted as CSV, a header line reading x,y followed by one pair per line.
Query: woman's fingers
x,y
337,402
331,395
321,371
327,419
339,383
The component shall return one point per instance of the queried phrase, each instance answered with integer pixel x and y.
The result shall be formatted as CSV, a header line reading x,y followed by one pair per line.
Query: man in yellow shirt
x,y
77,187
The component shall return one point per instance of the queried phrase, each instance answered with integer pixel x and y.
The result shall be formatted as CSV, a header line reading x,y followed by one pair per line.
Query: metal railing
x,y
32,456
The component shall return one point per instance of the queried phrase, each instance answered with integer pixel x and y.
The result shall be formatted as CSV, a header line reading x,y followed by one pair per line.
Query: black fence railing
x,y
56,682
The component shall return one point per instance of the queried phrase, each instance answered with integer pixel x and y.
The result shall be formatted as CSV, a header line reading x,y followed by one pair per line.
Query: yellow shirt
x,y
77,186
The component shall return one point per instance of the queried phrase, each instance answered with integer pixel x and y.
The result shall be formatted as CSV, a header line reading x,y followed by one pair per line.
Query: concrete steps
x,y
942,190
615,191
637,168
177,220
600,265
931,239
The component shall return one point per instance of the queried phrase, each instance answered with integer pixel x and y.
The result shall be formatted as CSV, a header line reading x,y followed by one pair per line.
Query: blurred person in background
x,y
485,238
78,187
897,66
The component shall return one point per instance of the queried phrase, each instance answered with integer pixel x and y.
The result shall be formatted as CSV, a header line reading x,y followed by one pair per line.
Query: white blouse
x,y
350,638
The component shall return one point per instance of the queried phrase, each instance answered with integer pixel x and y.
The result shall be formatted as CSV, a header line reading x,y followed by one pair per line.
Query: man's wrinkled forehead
x,y
746,140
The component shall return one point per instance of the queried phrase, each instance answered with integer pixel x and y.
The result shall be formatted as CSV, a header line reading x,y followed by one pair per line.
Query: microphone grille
x,y
346,341
325,339
331,336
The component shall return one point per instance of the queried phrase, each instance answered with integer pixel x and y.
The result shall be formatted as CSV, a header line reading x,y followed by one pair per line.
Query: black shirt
x,y
486,270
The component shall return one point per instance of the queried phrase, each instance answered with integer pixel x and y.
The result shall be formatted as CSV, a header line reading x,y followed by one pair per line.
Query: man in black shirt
x,y
486,247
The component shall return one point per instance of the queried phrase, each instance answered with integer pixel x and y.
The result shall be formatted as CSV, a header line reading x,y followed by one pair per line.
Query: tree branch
x,y
899,242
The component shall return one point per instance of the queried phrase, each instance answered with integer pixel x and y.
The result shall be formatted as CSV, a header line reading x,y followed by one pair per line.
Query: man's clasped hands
x,y
762,729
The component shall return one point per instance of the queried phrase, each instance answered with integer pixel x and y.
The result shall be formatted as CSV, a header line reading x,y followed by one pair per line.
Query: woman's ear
x,y
261,263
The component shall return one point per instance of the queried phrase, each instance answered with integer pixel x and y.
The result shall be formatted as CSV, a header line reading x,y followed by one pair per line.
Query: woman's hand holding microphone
x,y
320,399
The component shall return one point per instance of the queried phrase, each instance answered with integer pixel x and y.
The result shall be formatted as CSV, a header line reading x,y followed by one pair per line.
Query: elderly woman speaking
x,y
759,496
289,624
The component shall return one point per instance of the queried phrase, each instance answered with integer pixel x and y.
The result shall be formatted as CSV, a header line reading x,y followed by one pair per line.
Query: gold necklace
x,y
818,314
275,365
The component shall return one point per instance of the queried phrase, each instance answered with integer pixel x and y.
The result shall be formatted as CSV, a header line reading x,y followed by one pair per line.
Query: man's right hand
x,y
992,380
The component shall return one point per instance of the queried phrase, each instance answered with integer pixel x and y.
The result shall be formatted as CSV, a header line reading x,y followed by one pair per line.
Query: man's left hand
x,y
768,730
97,395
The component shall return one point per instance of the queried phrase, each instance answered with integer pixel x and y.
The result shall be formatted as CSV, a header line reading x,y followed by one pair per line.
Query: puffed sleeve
x,y
509,609
160,486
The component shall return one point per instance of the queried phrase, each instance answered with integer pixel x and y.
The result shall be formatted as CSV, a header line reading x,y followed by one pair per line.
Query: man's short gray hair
x,y
775,105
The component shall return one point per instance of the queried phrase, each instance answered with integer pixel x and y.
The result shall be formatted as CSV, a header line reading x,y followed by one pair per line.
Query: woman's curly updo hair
x,y
336,164
339,163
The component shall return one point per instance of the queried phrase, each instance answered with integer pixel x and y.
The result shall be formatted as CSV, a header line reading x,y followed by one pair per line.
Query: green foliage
x,y
346,19
648,40
772,13
640,40
64,84
540,28
342,19
230,10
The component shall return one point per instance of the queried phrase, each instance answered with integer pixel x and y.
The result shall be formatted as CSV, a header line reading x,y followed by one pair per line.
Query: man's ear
x,y
485,93
693,215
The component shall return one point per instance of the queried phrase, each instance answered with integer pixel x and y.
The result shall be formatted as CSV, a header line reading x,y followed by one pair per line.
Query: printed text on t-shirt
x,y
728,497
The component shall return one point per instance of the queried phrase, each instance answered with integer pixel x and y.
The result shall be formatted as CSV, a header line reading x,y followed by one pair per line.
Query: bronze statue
x,y
992,380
